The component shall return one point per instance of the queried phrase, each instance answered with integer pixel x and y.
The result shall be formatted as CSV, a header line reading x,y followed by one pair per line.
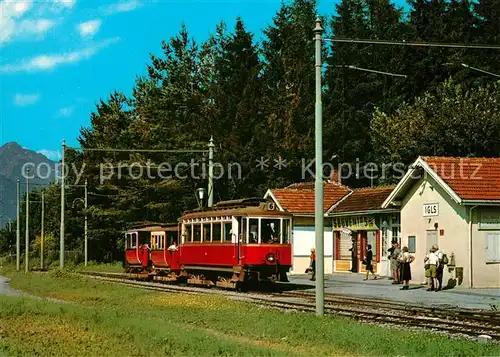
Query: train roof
x,y
254,206
152,227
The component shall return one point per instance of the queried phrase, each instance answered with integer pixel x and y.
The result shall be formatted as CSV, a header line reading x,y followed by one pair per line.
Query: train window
x,y
270,230
243,223
189,233
197,232
217,232
228,231
286,231
207,232
171,238
133,241
253,236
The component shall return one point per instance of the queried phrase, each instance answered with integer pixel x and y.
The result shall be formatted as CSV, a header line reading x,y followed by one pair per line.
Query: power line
x,y
480,70
418,44
139,150
373,71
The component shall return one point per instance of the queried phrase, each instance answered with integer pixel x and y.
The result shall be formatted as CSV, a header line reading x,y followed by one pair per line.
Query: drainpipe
x,y
470,245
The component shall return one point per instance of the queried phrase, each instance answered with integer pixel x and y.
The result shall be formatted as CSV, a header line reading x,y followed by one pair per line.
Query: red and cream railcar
x,y
236,241
144,247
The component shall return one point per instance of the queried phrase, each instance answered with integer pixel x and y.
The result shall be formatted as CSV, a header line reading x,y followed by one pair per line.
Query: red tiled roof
x,y
364,199
470,178
299,198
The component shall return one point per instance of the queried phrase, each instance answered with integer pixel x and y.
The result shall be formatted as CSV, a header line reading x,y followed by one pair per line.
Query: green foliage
x,y
453,122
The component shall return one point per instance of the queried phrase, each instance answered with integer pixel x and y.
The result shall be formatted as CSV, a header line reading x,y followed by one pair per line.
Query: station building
x,y
454,203
358,220
348,214
298,199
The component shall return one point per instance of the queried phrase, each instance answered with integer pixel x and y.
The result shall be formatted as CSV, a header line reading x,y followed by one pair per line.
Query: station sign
x,y
431,209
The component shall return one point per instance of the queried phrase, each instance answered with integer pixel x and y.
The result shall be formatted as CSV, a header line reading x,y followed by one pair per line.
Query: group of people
x,y
401,269
401,260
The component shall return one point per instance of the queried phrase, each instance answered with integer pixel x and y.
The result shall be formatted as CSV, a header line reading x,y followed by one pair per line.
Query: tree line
x,y
257,100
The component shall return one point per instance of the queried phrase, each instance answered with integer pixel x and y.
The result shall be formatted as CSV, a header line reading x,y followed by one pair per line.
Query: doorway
x,y
431,240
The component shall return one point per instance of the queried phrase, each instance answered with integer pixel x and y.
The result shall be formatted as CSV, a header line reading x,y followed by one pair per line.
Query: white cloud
x,y
50,61
65,112
89,28
14,24
122,6
22,100
53,155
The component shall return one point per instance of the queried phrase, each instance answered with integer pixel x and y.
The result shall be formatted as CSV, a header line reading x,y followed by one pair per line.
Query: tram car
x,y
230,244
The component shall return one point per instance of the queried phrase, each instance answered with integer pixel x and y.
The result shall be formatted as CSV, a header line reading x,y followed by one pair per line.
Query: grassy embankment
x,y
103,319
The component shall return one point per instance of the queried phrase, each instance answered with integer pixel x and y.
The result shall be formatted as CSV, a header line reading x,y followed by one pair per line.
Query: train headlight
x,y
270,258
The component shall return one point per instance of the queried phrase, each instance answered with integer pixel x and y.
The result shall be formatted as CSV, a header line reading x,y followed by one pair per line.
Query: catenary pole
x,y
86,246
42,232
318,189
211,172
61,238
18,229
27,242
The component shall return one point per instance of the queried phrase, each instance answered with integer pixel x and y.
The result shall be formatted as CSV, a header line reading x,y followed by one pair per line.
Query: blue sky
x,y
59,57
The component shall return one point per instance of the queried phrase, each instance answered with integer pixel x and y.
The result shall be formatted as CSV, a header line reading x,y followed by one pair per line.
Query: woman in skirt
x,y
405,260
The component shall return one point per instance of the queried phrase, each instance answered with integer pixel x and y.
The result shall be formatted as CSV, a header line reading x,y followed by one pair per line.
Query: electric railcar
x,y
229,244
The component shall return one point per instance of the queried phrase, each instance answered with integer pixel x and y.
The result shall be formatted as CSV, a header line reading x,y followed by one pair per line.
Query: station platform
x,y
352,284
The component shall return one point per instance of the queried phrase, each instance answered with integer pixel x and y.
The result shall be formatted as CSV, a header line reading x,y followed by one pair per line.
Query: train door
x,y
235,239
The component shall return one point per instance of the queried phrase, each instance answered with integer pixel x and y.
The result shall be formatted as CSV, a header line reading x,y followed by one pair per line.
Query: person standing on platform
x,y
312,265
354,256
406,259
440,267
395,264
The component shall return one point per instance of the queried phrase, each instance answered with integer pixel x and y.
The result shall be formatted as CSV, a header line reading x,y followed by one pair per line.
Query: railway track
x,y
452,321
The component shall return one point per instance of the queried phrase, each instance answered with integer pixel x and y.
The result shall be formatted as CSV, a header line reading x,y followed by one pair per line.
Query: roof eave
x,y
481,202
269,193
357,213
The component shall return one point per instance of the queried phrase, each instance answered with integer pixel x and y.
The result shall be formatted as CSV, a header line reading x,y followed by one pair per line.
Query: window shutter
x,y
492,246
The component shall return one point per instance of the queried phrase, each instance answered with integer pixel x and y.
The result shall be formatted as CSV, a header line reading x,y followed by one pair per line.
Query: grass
x,y
105,319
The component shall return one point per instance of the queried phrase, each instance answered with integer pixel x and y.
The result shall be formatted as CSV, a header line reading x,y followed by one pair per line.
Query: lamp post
x,y
318,188
61,234
27,243
211,172
18,228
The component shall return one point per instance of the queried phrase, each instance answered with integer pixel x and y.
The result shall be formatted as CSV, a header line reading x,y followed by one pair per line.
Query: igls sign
x,y
431,209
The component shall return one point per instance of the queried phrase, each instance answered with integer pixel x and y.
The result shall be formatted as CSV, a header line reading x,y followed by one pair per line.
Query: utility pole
x,y
27,220
211,172
318,188
18,230
86,250
61,243
42,233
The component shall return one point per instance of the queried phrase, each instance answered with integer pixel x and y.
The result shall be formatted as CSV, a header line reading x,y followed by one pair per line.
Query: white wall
x,y
303,241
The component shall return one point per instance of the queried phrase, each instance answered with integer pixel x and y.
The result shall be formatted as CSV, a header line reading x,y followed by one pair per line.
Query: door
x,y
431,240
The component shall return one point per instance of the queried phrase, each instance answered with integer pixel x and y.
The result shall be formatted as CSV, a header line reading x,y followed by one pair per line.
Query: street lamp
x,y
200,195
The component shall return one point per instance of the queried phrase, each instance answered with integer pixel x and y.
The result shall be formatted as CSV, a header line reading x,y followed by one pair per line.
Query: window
x,y
411,244
154,244
270,230
286,231
372,240
188,231
216,232
171,238
345,245
253,236
492,247
395,234
133,240
228,231
207,232
243,229
197,232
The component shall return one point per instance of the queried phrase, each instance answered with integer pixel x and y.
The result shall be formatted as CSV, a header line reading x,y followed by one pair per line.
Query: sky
x,y
60,57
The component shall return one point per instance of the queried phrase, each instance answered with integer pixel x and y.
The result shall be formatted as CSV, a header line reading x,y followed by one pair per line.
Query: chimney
x,y
334,177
